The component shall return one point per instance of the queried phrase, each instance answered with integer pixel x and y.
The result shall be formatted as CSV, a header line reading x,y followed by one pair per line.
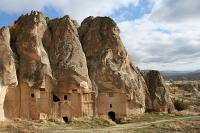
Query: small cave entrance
x,y
111,115
65,118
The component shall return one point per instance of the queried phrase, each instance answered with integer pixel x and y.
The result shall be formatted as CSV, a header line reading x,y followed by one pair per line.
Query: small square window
x,y
74,90
65,97
42,89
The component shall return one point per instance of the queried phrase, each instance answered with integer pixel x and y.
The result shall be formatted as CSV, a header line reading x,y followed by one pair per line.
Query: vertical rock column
x,y
34,64
8,76
68,63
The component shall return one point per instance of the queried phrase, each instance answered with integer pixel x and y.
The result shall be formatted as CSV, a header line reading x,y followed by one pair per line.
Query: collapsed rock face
x,y
158,92
8,78
110,67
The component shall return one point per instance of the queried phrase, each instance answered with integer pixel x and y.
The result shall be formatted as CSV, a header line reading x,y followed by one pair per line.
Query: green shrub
x,y
180,105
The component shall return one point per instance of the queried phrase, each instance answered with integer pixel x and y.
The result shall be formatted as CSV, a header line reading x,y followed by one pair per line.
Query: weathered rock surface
x,y
48,51
68,61
109,65
50,57
33,59
158,92
8,76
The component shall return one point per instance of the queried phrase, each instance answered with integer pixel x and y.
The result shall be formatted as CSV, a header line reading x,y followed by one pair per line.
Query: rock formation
x,y
69,67
50,59
66,70
66,56
109,65
8,78
33,60
157,93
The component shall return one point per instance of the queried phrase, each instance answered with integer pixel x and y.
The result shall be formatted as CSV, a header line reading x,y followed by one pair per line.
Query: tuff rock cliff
x,y
36,50
108,62
67,59
33,61
8,78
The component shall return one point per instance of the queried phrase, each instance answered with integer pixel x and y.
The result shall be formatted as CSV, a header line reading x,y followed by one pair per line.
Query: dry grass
x,y
181,126
87,124
21,125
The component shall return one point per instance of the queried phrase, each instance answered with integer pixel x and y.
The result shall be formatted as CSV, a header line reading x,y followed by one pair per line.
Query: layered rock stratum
x,y
64,57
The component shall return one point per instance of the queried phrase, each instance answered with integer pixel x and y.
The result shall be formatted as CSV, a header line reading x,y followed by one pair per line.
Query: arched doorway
x,y
111,115
65,119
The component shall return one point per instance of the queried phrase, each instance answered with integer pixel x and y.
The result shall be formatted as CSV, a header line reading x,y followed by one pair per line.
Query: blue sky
x,y
132,12
158,34
8,18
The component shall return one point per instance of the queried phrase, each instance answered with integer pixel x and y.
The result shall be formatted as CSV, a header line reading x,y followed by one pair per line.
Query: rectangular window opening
x,y
42,89
32,95
65,97
74,90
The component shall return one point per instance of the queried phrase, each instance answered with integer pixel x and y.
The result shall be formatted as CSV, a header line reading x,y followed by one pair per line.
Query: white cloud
x,y
176,10
20,6
80,9
164,44
77,9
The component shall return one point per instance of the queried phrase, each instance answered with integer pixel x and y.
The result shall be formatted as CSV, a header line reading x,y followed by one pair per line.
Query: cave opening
x,y
111,115
65,118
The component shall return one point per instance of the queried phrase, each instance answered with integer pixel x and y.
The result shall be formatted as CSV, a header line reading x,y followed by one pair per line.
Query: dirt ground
x,y
148,123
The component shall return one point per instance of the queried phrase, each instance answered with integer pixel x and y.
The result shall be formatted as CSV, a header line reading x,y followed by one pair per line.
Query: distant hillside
x,y
181,75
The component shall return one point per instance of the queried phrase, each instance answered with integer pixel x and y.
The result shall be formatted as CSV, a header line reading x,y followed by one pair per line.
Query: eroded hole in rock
x,y
65,119
55,98
111,115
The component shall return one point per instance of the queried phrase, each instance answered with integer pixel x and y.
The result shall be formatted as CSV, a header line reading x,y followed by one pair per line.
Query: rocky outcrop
x,y
60,60
33,59
50,56
8,76
33,62
66,56
157,93
109,65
